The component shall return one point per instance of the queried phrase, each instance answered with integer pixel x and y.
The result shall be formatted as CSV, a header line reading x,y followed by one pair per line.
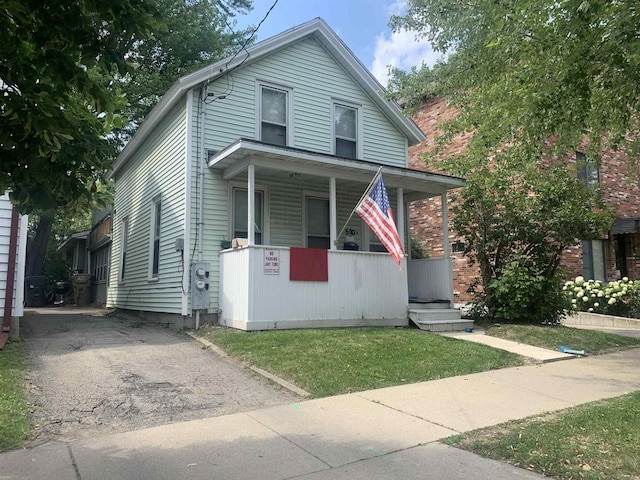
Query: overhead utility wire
x,y
230,84
255,30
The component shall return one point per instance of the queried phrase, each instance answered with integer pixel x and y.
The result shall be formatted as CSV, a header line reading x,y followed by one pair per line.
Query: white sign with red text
x,y
271,262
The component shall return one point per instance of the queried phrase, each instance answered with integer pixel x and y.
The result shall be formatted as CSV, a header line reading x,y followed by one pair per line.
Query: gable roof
x,y
317,29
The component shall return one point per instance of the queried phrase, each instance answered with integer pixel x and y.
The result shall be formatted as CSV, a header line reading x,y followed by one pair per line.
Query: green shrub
x,y
524,293
620,297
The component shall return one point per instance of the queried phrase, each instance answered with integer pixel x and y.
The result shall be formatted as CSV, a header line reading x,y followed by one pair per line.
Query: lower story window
x,y
593,260
240,213
100,262
318,229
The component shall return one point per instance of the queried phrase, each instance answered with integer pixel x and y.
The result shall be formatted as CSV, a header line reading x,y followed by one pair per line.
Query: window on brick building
x,y
593,260
588,170
457,247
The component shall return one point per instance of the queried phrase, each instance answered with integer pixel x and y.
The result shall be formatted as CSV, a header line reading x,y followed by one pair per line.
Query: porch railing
x,y
431,278
364,288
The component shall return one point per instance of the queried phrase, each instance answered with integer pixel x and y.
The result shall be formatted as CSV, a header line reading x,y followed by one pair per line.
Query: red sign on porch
x,y
308,264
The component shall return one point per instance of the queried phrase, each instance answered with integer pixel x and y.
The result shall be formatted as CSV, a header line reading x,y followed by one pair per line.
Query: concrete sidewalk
x,y
378,434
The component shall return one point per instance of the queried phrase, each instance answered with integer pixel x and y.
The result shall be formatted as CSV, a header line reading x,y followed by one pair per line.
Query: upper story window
x,y
588,170
345,128
274,115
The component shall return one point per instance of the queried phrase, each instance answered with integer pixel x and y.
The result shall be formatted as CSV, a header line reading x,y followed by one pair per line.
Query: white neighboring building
x,y
13,248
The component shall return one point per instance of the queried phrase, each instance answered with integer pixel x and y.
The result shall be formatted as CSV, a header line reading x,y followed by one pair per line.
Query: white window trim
x,y
290,122
124,240
311,194
154,202
100,266
266,218
359,125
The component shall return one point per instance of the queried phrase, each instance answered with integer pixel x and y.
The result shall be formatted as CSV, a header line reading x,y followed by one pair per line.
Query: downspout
x,y
201,163
11,271
445,244
188,209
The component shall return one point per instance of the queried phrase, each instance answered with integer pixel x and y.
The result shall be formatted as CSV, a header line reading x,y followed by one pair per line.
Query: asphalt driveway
x,y
93,374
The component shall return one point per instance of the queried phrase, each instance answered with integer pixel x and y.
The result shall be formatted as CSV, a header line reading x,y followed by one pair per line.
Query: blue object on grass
x,y
564,349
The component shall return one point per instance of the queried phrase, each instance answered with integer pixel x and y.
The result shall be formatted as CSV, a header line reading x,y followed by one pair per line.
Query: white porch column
x,y
445,226
251,204
407,229
332,213
400,210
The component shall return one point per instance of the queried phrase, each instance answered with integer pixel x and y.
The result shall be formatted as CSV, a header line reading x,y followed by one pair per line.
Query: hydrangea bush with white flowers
x,y
620,297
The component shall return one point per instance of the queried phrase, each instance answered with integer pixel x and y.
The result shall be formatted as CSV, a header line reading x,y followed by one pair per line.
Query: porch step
x,y
439,320
425,303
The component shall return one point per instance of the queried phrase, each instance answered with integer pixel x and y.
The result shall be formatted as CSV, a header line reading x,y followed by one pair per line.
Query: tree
x,y
57,65
516,221
47,260
67,80
197,33
49,228
531,81
526,72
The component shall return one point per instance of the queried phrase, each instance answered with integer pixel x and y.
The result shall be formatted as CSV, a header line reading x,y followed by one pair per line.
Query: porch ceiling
x,y
234,160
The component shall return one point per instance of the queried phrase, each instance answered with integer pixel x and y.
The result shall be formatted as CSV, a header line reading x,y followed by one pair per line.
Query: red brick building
x,y
614,256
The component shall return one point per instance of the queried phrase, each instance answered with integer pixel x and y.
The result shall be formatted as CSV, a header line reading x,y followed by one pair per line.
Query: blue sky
x,y
362,25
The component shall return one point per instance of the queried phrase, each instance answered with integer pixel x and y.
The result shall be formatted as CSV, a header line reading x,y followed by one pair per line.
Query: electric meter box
x,y
200,273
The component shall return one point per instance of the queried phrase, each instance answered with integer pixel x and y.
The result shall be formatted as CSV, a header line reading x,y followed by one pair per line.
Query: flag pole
x,y
366,192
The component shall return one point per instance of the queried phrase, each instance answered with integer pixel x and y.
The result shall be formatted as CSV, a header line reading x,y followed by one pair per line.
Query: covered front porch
x,y
258,285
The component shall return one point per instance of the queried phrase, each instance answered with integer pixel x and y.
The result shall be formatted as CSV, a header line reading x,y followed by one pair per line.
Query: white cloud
x,y
398,7
402,50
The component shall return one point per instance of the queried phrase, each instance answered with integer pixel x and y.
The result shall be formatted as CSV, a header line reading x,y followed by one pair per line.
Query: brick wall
x,y
620,190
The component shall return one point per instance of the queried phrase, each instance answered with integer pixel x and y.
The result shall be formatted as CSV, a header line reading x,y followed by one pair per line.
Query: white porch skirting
x,y
364,288
431,278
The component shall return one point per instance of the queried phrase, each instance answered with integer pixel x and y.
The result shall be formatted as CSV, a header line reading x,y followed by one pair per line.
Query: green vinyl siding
x,y
156,169
316,81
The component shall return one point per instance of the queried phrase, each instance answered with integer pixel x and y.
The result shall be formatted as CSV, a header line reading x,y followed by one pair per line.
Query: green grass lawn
x,y
598,441
15,425
551,337
340,360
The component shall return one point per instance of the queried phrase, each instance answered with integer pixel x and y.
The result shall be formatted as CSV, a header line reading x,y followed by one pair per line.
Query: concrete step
x,y
431,305
420,314
439,320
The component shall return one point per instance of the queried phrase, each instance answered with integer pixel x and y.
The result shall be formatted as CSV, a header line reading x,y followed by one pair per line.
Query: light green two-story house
x,y
247,166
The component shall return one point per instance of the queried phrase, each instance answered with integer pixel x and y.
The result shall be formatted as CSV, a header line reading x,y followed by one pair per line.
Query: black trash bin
x,y
35,291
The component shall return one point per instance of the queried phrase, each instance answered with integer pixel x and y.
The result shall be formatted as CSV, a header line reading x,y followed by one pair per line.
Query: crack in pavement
x,y
92,375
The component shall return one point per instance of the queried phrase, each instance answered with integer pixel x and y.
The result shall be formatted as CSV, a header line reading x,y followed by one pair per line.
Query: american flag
x,y
376,212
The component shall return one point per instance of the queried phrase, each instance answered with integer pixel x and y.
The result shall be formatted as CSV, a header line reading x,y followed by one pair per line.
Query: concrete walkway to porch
x,y
386,433
536,353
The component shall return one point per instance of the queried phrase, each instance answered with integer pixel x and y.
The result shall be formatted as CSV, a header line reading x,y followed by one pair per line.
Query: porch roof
x,y
234,160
